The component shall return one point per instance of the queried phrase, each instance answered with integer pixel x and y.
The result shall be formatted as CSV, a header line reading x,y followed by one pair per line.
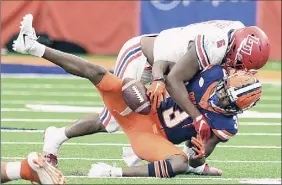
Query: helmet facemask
x,y
221,102
236,94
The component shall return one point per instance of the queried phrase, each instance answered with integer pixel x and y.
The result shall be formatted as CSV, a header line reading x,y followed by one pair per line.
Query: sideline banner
x,y
269,19
101,27
157,15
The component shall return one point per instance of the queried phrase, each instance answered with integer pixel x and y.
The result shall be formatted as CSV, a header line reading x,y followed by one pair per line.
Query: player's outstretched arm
x,y
183,71
75,65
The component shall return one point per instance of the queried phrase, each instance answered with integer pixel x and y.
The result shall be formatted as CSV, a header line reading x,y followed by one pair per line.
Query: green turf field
x,y
251,156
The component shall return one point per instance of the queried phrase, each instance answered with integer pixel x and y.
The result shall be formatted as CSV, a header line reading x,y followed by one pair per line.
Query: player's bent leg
x,y
34,168
167,168
85,126
166,160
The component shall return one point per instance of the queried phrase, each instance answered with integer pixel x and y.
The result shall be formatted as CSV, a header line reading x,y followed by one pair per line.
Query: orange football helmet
x,y
242,90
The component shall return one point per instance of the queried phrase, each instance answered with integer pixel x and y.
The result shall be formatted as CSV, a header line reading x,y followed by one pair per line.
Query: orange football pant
x,y
146,137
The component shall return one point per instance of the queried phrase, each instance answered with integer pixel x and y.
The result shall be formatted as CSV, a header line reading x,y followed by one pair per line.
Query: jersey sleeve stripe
x,y
227,133
205,52
201,52
221,134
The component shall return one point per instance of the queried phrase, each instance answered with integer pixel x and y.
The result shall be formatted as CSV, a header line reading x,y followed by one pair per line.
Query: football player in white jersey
x,y
189,47
196,46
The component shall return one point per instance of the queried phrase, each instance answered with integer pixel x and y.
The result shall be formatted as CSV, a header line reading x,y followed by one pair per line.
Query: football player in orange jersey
x,y
34,168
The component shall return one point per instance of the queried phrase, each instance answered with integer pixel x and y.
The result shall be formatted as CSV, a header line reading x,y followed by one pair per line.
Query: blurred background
x,y
101,27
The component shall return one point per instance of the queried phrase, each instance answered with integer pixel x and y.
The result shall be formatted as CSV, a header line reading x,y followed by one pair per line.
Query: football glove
x,y
202,127
198,147
157,93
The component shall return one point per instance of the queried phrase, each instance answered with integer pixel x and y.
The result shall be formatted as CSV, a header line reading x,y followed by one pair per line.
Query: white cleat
x,y
27,36
53,140
104,170
46,173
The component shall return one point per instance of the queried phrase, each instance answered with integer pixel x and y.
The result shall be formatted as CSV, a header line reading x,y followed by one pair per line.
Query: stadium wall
x,y
101,27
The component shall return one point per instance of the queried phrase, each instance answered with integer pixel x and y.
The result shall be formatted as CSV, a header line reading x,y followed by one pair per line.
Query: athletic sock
x,y
20,170
13,170
58,139
37,49
198,170
116,172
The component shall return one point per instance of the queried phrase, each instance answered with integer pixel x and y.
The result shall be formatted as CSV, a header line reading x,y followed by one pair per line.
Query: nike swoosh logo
x,y
24,35
157,87
201,124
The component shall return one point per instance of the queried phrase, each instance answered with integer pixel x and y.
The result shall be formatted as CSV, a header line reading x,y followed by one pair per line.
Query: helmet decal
x,y
248,44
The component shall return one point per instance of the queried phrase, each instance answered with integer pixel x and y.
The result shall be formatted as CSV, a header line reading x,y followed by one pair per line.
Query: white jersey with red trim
x,y
211,41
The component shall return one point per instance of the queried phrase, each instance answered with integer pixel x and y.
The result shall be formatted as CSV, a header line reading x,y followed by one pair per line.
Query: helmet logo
x,y
248,44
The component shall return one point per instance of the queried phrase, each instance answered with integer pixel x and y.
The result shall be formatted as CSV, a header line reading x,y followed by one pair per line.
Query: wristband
x,y
159,79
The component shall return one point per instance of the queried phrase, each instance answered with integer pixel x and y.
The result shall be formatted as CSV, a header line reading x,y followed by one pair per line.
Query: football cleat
x,y
52,144
46,173
211,171
27,36
51,159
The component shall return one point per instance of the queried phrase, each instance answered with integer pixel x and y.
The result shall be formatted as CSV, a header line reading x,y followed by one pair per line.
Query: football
x,y
134,94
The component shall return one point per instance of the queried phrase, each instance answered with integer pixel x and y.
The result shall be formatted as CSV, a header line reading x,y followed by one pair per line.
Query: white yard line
x,y
121,132
241,123
83,109
80,94
49,94
72,77
258,124
23,102
46,86
36,120
4,103
242,180
55,110
258,134
101,159
67,86
123,144
16,110
41,76
271,98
